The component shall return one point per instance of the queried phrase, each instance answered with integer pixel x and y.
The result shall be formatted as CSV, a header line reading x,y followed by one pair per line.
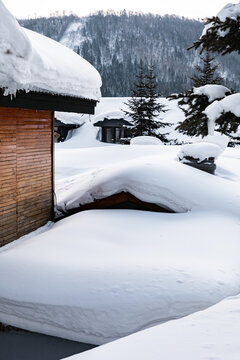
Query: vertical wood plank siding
x,y
26,171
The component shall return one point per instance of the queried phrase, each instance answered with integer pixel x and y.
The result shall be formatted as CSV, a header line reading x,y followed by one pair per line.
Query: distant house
x,y
65,124
113,127
33,84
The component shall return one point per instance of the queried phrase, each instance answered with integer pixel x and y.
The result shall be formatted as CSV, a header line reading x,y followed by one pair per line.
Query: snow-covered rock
x,y
30,61
145,140
200,151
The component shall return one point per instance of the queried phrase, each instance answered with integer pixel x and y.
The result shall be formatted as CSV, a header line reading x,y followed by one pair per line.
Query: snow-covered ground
x,y
212,334
103,274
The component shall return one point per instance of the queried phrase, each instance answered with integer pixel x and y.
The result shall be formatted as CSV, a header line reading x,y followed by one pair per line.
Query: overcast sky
x,y
197,9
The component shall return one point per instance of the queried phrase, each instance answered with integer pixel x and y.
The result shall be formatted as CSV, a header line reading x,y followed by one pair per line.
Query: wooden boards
x,y
26,171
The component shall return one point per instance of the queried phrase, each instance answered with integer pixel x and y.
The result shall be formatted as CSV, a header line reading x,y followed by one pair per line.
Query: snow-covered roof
x,y
109,115
200,151
212,91
70,118
30,61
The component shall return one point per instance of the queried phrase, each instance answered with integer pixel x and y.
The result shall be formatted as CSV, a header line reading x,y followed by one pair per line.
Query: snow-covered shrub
x,y
145,140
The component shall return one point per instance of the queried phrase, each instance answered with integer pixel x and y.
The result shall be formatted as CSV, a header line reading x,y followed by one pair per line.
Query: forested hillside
x,y
115,44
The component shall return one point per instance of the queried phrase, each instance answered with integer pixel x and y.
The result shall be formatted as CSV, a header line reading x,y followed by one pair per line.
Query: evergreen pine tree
x,y
144,106
137,104
153,106
206,74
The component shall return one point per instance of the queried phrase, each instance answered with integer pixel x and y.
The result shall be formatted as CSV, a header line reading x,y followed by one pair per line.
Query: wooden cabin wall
x,y
26,171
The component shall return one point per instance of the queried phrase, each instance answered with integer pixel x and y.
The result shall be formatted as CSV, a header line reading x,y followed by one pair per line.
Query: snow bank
x,y
100,275
213,92
153,179
145,140
30,61
200,151
71,118
210,334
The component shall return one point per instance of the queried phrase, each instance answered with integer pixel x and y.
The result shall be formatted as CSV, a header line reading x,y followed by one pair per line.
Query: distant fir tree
x,y
206,74
193,106
144,106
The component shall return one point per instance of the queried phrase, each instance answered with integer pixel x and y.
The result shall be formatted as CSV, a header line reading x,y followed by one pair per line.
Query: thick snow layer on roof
x,y
212,334
213,92
116,114
30,61
70,118
200,151
152,179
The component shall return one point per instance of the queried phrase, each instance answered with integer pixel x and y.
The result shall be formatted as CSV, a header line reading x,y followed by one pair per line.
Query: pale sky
x,y
197,9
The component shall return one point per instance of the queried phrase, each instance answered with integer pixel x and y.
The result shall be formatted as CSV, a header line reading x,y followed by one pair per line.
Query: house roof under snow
x,y
30,62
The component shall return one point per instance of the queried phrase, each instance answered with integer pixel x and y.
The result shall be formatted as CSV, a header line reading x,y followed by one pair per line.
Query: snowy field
x,y
101,275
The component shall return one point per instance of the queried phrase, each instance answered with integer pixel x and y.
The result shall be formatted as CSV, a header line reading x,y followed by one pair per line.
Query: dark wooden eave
x,y
47,101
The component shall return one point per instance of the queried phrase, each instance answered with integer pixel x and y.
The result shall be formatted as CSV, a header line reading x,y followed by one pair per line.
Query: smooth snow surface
x,y
212,334
90,282
230,10
30,61
200,151
145,140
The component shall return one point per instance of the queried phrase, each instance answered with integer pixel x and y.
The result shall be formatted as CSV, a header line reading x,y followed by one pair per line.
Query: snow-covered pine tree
x,y
137,104
206,74
144,106
193,103
221,36
153,106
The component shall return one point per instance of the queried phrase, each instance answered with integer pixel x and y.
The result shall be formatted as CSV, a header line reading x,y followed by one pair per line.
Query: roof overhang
x,y
47,101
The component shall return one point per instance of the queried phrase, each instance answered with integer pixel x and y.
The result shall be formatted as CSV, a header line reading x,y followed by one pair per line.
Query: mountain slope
x,y
115,44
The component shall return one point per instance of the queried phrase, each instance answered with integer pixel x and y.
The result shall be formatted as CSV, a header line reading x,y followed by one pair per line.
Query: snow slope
x,y
87,281
212,334
30,61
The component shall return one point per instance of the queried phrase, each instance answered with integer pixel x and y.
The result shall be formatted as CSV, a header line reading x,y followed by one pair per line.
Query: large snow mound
x,y
145,140
30,61
200,151
209,334
217,138
152,179
100,275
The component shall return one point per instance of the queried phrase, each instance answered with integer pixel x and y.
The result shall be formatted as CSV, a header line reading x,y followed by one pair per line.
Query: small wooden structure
x,y
61,130
121,200
113,130
26,158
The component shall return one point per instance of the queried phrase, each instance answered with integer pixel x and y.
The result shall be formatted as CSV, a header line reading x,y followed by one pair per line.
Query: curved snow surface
x,y
156,179
30,61
100,275
212,334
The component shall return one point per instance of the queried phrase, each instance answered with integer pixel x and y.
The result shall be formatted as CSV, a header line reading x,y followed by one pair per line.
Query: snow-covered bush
x,y
145,140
